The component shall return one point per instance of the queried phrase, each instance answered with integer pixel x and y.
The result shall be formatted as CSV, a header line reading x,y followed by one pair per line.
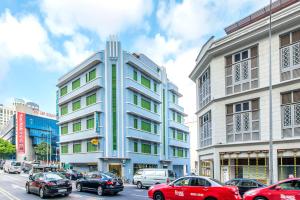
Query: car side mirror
x,y
31,177
278,188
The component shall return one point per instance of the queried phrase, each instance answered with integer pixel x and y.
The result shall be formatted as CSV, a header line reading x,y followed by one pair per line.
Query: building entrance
x,y
116,169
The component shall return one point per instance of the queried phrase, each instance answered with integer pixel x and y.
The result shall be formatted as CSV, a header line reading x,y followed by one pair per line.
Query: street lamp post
x,y
270,99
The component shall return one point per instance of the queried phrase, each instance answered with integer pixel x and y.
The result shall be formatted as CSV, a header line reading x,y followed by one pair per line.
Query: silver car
x,y
12,167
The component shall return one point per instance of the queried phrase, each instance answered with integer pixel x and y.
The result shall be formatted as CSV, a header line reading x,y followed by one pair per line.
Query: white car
x,y
12,167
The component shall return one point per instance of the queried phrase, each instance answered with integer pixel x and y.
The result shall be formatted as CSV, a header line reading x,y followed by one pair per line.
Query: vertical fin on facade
x,y
113,45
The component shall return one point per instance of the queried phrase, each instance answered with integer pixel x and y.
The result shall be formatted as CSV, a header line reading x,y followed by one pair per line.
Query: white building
x,y
6,112
231,74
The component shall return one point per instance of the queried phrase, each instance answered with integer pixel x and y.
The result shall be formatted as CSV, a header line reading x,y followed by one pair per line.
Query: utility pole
x,y
270,99
47,148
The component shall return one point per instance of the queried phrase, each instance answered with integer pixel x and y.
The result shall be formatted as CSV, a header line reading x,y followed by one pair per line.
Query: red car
x,y
285,190
194,188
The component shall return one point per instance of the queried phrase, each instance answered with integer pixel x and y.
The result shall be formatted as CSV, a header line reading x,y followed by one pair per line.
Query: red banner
x,y
21,122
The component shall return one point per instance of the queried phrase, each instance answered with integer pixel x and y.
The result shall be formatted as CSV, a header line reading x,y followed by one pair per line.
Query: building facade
x,y
29,127
119,112
6,112
232,79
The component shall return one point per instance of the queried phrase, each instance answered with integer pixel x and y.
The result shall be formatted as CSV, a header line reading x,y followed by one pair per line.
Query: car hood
x,y
158,186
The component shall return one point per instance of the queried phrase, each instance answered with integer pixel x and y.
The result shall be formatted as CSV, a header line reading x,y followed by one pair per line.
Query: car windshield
x,y
216,181
16,164
109,175
54,177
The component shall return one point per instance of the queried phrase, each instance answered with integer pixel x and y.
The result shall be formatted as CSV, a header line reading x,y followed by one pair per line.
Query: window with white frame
x,y
242,121
290,55
205,130
241,70
204,88
290,114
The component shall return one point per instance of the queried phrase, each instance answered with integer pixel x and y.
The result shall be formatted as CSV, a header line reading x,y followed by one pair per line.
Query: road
x,y
12,187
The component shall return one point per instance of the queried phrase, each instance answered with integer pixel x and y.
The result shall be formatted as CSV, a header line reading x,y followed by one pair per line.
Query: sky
x,y
40,40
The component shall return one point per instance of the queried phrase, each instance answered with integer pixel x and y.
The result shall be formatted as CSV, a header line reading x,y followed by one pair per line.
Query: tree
x,y
41,150
6,148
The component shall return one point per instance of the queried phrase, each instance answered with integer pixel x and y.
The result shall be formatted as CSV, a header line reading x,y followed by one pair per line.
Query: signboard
x,y
94,141
21,124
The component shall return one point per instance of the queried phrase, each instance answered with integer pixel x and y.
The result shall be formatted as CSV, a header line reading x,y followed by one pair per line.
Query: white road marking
x,y
8,195
17,187
137,195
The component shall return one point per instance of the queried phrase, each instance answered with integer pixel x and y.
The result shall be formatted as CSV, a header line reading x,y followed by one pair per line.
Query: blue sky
x,y
41,40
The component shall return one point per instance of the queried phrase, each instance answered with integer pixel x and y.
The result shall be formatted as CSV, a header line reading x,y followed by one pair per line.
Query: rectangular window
x,y
135,147
173,116
64,110
155,128
155,87
174,152
64,129
135,99
77,148
90,123
146,126
173,98
179,118
64,149
91,99
114,105
91,75
155,149
180,153
204,88
205,130
145,82
76,84
185,153
155,108
64,91
92,147
185,137
174,133
146,148
76,105
146,104
135,123
135,75
179,135
76,126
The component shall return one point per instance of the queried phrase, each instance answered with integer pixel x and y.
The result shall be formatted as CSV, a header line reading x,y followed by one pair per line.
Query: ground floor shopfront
x,y
251,162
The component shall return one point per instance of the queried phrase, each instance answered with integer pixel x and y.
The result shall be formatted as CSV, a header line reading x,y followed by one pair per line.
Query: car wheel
x,y
139,185
115,193
100,191
79,187
210,198
260,198
158,196
27,189
42,193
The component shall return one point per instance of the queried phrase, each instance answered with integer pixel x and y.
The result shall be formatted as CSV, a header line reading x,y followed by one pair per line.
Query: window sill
x,y
144,131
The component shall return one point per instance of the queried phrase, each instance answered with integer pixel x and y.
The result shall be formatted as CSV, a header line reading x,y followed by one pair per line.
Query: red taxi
x,y
194,188
285,190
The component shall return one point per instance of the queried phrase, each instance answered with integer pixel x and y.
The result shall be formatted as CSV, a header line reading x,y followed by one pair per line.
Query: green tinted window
x,y
77,148
180,152
185,137
173,98
135,99
135,123
63,91
155,149
155,87
90,123
155,128
135,75
146,104
91,75
135,147
92,147
185,153
64,149
174,133
76,105
146,126
64,110
76,126
76,84
179,118
179,135
114,104
155,108
173,115
146,148
174,152
91,99
64,129
146,82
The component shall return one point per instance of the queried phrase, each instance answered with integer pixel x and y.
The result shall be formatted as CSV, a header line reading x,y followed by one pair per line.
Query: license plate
x,y
117,183
62,190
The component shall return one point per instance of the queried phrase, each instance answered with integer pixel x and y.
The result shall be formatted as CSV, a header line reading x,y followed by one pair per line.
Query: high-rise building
x,y
6,112
232,78
119,112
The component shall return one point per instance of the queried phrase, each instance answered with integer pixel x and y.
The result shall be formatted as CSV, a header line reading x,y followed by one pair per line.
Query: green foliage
x,y
6,148
41,150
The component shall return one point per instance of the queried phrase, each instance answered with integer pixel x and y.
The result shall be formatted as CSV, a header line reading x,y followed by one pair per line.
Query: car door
x,y
85,181
288,190
245,185
197,189
178,189
94,181
36,182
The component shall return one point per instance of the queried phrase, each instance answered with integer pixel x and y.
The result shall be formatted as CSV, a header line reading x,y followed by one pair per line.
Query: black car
x,y
72,174
48,184
245,184
100,182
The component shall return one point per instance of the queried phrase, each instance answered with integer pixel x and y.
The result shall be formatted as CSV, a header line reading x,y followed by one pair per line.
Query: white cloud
x,y
105,17
25,37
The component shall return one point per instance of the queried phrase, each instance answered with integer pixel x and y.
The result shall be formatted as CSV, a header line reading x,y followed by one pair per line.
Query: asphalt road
x,y
12,187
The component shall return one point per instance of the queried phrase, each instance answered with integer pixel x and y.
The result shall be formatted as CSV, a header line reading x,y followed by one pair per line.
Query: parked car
x,y
100,182
72,174
245,184
48,184
12,167
151,176
194,188
288,189
41,168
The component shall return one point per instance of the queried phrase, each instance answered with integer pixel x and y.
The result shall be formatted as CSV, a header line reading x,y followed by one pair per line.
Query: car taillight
x,y
109,183
168,180
50,184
